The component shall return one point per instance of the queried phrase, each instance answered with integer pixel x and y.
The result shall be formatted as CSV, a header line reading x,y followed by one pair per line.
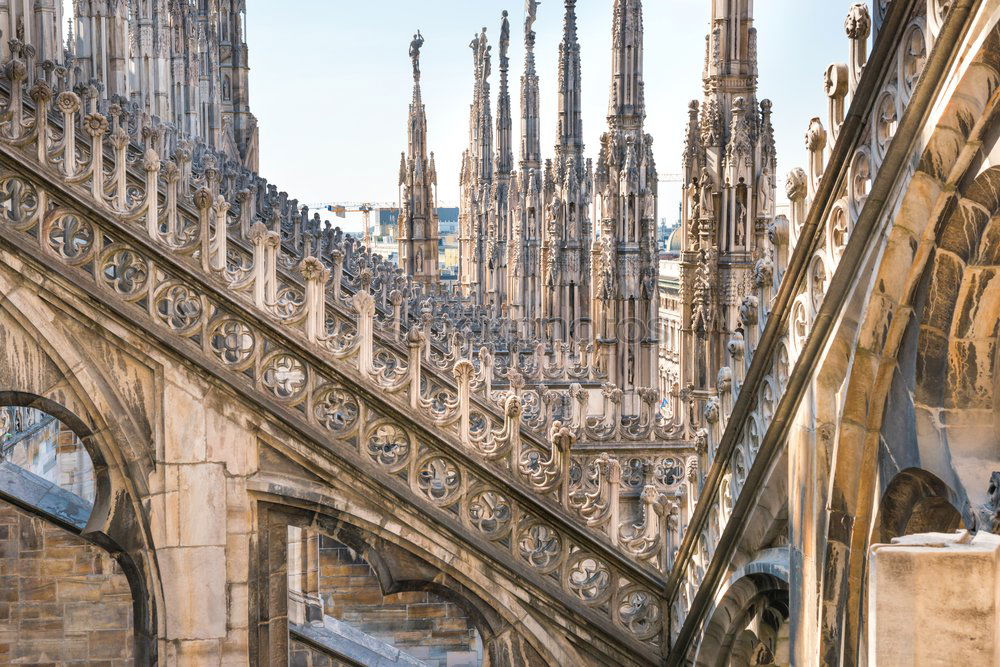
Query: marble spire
x,y
570,133
500,209
625,259
417,235
527,204
565,255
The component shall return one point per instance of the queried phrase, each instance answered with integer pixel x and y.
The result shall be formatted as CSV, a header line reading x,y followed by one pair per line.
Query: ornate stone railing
x,y
866,105
455,328
153,239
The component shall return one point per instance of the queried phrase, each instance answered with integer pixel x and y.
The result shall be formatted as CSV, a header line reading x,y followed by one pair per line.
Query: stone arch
x,y
111,536
510,635
49,407
41,366
399,571
885,379
356,581
916,501
754,601
956,359
758,583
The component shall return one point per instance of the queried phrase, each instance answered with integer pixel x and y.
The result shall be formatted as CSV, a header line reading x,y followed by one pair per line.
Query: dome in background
x,y
674,242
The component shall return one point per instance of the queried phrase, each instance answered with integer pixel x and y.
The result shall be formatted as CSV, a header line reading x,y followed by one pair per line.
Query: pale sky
x,y
330,82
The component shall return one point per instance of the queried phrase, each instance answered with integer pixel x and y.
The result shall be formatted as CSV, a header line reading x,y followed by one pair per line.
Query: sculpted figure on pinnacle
x,y
415,46
531,14
504,37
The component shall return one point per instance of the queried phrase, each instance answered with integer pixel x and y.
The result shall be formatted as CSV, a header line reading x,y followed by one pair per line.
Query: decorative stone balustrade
x,y
322,336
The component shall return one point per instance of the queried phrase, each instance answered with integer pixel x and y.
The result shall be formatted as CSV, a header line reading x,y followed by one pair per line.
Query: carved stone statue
x,y
504,37
707,200
531,15
741,224
415,46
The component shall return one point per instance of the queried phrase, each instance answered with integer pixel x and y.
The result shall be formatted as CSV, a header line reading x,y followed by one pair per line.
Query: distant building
x,y
670,316
449,256
386,220
448,220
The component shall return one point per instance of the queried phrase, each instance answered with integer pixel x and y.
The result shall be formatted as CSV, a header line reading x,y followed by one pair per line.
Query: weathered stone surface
x,y
202,501
184,426
946,582
197,591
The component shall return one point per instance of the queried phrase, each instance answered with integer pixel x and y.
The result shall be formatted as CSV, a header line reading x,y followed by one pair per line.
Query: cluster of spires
x,y
565,250
183,62
528,251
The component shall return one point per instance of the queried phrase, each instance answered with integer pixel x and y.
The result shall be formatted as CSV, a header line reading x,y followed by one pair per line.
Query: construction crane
x,y
341,211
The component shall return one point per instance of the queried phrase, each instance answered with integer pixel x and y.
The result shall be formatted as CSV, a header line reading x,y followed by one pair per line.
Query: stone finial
x,y
858,24
171,174
748,310
41,92
795,185
151,161
203,199
835,81
763,272
712,411
257,232
736,345
815,136
414,337
96,125
562,437
512,407
463,370
725,380
701,441
312,268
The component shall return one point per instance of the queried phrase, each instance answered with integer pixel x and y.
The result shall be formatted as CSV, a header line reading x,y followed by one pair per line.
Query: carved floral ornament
x,y
70,237
860,179
886,120
914,55
815,137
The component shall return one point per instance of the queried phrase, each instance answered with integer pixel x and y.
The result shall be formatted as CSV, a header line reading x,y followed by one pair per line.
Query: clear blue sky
x,y
330,82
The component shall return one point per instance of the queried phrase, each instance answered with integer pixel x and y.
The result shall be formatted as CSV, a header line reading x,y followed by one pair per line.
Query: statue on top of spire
x,y
504,37
531,15
415,46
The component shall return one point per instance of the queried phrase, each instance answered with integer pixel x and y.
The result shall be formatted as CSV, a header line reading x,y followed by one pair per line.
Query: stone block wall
x,y
62,599
422,624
